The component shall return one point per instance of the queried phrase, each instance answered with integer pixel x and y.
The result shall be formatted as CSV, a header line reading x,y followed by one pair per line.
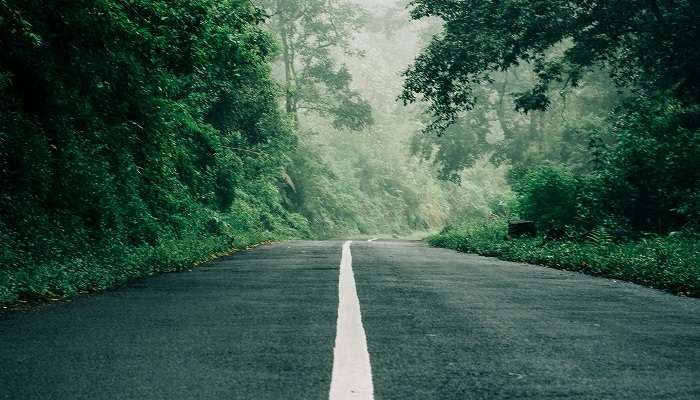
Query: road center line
x,y
352,373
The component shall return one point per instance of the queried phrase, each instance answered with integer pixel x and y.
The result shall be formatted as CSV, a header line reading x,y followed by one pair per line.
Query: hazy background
x,y
394,179
369,182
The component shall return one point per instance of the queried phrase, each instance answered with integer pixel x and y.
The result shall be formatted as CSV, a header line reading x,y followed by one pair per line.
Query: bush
x,y
651,174
559,200
646,179
668,263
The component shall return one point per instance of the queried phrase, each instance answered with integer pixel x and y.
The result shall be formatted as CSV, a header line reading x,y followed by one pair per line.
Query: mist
x,y
395,178
370,182
335,199
143,136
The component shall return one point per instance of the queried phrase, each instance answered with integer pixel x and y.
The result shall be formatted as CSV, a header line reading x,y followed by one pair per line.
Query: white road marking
x,y
352,372
372,240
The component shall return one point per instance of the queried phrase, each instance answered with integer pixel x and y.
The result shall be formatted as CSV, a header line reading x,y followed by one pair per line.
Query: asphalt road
x,y
439,325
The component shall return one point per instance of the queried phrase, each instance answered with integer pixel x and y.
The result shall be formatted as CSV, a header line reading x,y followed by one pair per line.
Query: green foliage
x,y
310,32
668,263
367,183
652,171
549,196
494,129
458,148
647,179
645,43
135,136
607,169
559,200
364,189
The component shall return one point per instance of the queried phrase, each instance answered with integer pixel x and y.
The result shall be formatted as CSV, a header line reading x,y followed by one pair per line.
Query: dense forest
x,y
597,107
143,136
135,137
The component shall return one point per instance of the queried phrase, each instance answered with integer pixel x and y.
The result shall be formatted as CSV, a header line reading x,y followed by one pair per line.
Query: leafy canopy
x,y
647,44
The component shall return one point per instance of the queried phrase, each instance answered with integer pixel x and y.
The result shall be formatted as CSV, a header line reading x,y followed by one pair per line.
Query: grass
x,y
667,263
97,269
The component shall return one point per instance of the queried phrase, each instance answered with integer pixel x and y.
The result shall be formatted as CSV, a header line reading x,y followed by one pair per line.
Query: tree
x,y
493,129
310,31
647,44
131,128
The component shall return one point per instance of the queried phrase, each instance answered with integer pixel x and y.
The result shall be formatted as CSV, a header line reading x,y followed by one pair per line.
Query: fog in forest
x,y
374,181
349,199
395,178
144,136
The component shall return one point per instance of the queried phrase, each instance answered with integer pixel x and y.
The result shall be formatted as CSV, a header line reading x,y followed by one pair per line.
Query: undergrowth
x,y
669,263
96,269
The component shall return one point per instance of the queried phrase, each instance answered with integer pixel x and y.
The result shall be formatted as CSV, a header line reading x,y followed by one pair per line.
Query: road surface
x,y
435,324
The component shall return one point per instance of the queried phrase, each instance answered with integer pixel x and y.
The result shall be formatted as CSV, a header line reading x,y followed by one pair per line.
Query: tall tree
x,y
311,32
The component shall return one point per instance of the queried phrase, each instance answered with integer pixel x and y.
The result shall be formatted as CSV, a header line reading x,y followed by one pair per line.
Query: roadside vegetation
x,y
667,263
143,136
353,173
136,137
601,131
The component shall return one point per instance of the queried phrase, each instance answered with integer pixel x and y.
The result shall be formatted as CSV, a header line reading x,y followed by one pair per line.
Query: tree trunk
x,y
500,109
289,73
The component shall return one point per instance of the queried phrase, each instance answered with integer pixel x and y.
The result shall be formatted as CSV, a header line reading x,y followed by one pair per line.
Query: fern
x,y
601,237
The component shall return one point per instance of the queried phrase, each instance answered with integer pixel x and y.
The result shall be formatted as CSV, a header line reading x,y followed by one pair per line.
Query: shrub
x,y
668,263
559,200
651,174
